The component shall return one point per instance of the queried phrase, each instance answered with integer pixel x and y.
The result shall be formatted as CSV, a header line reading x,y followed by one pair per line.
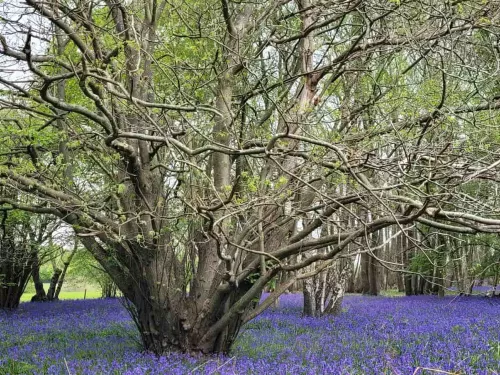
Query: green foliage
x,y
16,367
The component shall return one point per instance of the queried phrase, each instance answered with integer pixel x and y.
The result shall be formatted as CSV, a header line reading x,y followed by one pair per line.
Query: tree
x,y
51,253
186,142
324,292
21,240
14,264
86,270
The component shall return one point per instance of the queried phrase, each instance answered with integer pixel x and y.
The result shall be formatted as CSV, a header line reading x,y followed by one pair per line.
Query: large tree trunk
x,y
205,320
177,325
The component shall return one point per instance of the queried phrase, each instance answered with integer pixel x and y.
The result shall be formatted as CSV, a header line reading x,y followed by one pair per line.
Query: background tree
x,y
22,239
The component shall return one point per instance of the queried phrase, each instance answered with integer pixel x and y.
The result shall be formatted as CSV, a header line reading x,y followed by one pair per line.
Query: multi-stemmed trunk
x,y
163,330
13,282
169,321
108,288
200,313
15,265
324,293
15,270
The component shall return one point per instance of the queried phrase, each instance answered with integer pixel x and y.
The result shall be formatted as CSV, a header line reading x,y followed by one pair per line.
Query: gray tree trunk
x,y
40,294
53,284
324,293
63,276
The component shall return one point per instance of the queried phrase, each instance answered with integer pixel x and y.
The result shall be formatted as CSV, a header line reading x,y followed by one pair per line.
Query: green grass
x,y
391,293
69,293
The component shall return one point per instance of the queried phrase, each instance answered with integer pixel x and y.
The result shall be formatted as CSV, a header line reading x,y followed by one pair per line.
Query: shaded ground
x,y
374,335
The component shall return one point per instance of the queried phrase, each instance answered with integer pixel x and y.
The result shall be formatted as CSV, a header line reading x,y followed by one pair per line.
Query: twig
x,y
67,367
221,366
434,370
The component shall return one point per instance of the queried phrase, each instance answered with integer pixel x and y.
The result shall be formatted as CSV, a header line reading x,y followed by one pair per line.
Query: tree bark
x,y
310,308
179,326
15,265
365,273
108,289
53,284
373,275
40,294
334,306
64,270
324,293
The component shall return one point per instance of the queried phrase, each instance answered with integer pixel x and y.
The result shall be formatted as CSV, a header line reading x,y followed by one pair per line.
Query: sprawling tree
x,y
198,148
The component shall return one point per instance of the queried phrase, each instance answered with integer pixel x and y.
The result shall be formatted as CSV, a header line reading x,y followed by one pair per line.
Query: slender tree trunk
x,y
495,281
464,269
408,277
401,260
373,277
365,273
414,284
310,307
440,273
40,294
421,285
408,285
13,280
355,283
108,289
53,284
63,275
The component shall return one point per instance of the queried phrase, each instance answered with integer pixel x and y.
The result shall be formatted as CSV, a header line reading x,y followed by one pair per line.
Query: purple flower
x,y
373,335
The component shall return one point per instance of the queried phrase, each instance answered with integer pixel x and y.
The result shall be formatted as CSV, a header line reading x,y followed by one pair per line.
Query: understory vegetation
x,y
372,335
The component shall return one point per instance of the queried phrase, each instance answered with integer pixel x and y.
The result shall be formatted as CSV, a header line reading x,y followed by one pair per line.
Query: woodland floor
x,y
373,335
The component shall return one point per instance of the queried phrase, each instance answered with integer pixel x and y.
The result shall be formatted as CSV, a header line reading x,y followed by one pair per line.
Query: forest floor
x,y
373,335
